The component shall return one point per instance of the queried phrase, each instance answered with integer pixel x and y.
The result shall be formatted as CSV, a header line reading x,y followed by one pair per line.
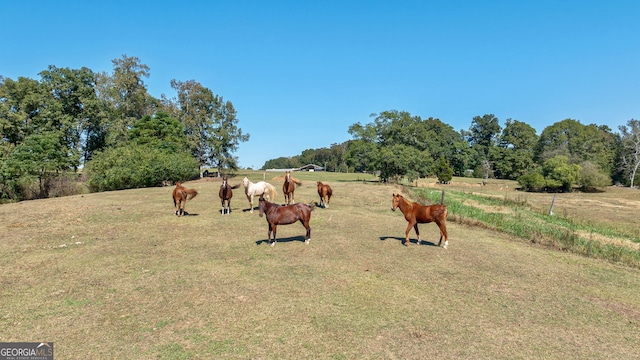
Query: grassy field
x,y
116,275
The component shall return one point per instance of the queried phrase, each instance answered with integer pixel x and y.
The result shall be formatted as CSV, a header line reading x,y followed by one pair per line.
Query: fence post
x,y
442,198
553,201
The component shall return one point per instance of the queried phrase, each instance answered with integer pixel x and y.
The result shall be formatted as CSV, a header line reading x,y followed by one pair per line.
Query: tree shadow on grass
x,y
411,241
282,240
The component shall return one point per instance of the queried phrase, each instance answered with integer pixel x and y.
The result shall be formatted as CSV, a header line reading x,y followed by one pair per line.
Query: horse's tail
x,y
235,186
297,182
191,193
272,192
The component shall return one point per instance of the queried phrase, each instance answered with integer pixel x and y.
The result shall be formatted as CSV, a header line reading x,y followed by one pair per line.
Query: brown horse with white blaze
x,y
180,197
289,187
416,214
226,193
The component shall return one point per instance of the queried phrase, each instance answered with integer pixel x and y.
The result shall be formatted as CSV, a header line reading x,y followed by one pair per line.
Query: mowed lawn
x,y
117,275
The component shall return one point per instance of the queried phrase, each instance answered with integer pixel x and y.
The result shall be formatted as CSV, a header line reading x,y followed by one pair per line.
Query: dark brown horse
x,y
285,215
226,193
289,187
180,196
325,193
420,214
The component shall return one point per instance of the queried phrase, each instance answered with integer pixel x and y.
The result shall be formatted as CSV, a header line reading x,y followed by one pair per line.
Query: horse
x,y
289,187
285,215
325,193
226,194
261,188
416,214
180,196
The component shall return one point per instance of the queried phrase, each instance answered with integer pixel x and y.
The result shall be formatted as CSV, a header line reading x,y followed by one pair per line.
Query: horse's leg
x,y
406,233
443,233
417,232
274,235
307,237
250,203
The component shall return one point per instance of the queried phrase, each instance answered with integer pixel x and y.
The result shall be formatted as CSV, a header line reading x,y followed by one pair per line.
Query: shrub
x,y
591,176
136,166
532,181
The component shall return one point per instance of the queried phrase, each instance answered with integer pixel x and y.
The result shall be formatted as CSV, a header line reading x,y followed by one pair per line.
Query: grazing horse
x,y
285,215
260,188
180,196
420,214
289,187
325,193
226,194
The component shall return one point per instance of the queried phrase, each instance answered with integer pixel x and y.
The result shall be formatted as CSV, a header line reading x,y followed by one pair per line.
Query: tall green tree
x,y
361,155
226,137
20,107
483,133
72,107
196,105
210,124
161,131
124,96
40,156
578,143
399,160
430,137
512,157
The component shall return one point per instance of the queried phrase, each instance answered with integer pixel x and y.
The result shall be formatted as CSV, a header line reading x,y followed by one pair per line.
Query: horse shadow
x,y
283,240
412,241
318,205
189,214
249,209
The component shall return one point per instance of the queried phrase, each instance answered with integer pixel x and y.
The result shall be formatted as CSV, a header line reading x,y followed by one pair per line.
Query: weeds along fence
x,y
519,219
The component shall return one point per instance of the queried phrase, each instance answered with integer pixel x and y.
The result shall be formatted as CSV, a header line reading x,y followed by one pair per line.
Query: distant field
x,y
116,275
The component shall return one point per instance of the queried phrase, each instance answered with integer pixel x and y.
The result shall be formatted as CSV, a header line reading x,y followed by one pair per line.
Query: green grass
x,y
133,281
519,219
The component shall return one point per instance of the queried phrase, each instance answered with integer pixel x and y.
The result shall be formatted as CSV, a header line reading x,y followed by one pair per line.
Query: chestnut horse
x,y
289,187
420,214
285,215
325,193
260,188
226,194
180,196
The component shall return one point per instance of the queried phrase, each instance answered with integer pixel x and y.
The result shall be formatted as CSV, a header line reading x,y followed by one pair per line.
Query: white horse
x,y
257,189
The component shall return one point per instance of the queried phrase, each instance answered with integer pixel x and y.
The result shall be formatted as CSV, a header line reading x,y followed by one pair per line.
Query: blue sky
x,y
299,73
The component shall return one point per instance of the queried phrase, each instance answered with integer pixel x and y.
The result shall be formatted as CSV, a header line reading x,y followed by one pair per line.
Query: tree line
x,y
565,155
111,127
